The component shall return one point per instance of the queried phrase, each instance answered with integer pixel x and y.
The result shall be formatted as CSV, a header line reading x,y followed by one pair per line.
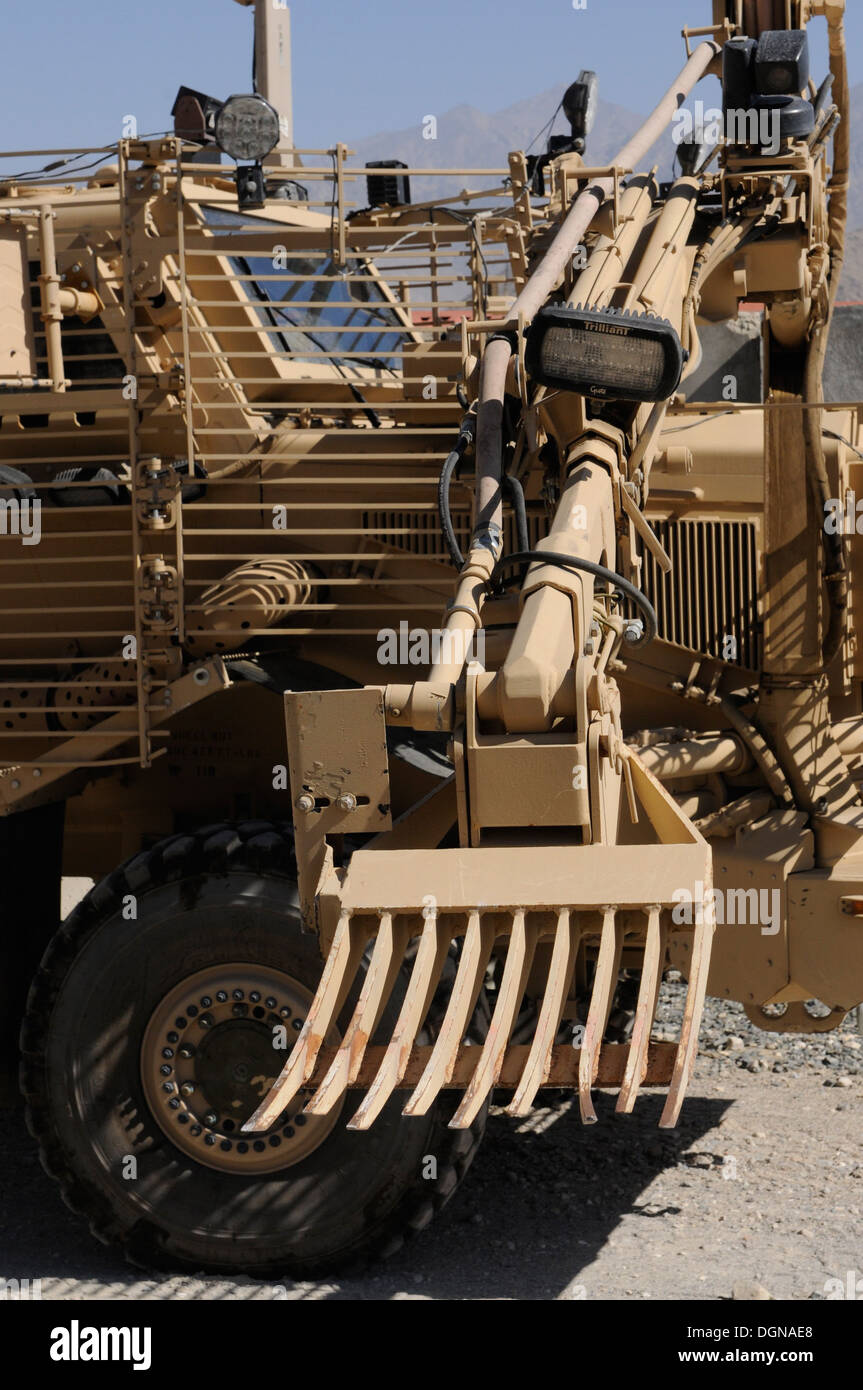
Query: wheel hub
x,y
210,1053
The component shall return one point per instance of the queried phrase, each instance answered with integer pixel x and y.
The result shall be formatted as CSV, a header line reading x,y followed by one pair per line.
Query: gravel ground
x,y
761,1184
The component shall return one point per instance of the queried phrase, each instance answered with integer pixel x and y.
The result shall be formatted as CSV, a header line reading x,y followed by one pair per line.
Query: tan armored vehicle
x,y
419,667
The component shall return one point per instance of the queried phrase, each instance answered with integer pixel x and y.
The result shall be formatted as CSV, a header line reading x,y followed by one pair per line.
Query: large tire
x,y
225,894
31,853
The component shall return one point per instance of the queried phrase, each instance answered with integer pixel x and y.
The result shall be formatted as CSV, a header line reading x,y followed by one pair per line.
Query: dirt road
x,y
762,1183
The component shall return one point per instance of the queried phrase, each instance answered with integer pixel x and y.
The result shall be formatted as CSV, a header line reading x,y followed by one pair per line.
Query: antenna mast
x,y
273,69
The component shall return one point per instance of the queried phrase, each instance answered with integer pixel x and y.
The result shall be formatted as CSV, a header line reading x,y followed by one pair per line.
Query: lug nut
x,y
211,1118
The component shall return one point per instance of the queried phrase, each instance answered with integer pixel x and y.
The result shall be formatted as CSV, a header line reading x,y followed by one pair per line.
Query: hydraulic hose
x,y
556,557
511,485
466,438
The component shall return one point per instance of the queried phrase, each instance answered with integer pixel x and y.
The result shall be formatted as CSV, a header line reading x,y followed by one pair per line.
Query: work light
x,y
247,127
604,353
580,102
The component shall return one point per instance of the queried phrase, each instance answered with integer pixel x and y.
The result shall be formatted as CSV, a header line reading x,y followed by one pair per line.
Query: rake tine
x,y
688,1044
538,1062
518,962
607,966
384,966
339,972
478,941
431,954
645,1011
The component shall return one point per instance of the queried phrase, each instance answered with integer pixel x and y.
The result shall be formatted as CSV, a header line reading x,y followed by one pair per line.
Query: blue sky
x,y
358,68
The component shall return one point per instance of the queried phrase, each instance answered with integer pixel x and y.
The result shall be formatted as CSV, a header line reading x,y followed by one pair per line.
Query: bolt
x,y
187,1088
305,803
634,630
821,806
347,802
211,1118
187,1050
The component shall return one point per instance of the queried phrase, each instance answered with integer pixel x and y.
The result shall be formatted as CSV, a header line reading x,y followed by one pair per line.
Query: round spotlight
x,y
247,127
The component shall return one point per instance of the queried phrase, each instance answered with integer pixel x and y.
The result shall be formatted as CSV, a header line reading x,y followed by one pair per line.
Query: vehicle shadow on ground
x,y
537,1205
539,1202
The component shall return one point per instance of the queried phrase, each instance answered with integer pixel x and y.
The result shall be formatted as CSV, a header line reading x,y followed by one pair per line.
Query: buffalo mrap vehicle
x,y
420,666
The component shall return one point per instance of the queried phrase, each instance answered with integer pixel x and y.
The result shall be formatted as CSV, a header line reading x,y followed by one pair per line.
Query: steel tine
x,y
384,966
431,954
538,1063
478,941
604,981
645,1010
688,1043
519,958
338,976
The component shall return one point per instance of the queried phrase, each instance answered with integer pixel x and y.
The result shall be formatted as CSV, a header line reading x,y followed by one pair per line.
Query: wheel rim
x,y
208,1057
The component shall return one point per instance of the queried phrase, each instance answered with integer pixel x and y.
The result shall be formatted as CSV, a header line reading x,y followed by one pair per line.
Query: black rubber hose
x,y
466,437
575,562
444,482
513,487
